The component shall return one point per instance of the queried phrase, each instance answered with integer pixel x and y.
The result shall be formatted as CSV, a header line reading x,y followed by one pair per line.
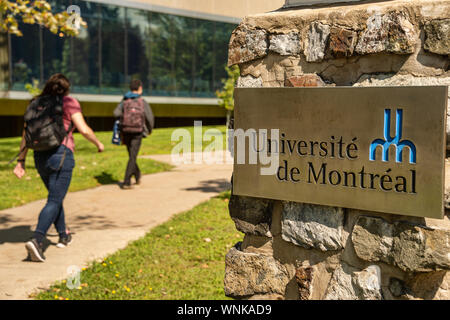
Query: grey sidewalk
x,y
104,220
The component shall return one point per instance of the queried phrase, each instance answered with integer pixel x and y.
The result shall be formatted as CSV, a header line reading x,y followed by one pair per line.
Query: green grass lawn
x,y
183,258
92,169
160,140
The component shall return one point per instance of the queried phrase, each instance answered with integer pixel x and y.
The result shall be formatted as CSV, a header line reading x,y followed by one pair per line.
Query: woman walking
x,y
55,166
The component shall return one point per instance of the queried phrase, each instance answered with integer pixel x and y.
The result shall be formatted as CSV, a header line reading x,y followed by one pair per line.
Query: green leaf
x,y
225,96
11,12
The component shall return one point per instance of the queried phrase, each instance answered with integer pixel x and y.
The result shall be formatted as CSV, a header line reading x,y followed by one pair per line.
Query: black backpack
x,y
44,126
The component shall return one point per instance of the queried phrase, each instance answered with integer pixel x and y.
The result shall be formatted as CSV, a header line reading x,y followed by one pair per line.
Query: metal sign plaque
x,y
374,148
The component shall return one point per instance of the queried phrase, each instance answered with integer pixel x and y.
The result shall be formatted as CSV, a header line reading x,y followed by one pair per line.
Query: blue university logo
x,y
393,141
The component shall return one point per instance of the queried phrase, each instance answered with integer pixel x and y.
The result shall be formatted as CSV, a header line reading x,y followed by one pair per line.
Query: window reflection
x,y
172,55
24,65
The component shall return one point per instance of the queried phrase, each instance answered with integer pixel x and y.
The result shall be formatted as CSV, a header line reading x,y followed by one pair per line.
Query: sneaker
x,y
35,251
126,186
64,241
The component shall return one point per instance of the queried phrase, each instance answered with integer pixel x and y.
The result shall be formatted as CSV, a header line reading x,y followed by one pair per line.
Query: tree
x,y
30,12
226,95
33,88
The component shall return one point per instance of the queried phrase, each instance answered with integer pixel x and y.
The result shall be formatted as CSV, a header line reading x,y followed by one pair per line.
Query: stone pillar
x,y
302,251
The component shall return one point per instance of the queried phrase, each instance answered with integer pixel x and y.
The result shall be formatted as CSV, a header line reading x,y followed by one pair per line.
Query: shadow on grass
x,y
106,178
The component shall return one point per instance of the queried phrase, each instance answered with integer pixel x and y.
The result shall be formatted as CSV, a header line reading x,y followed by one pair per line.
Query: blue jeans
x,y
56,178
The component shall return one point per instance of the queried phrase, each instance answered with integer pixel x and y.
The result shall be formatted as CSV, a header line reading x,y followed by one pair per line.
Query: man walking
x,y
136,121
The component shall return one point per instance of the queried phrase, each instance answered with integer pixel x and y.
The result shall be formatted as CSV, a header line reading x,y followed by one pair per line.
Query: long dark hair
x,y
56,85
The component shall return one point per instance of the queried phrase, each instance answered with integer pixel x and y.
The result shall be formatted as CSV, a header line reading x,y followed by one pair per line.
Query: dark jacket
x,y
149,117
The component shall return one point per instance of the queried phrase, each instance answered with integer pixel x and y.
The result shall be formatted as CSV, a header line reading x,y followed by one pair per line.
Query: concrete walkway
x,y
103,220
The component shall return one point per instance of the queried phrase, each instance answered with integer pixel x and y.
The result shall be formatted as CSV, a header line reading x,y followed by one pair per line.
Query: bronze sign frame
x,y
370,148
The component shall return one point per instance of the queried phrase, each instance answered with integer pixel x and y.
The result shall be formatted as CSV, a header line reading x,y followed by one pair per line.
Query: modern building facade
x,y
178,48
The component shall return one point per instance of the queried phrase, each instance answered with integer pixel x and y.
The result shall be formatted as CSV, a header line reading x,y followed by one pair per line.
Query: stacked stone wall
x,y
301,251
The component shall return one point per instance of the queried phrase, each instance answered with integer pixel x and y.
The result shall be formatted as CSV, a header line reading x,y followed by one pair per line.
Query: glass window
x,y
113,75
221,39
85,72
138,46
172,55
57,53
25,54
204,84
163,54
